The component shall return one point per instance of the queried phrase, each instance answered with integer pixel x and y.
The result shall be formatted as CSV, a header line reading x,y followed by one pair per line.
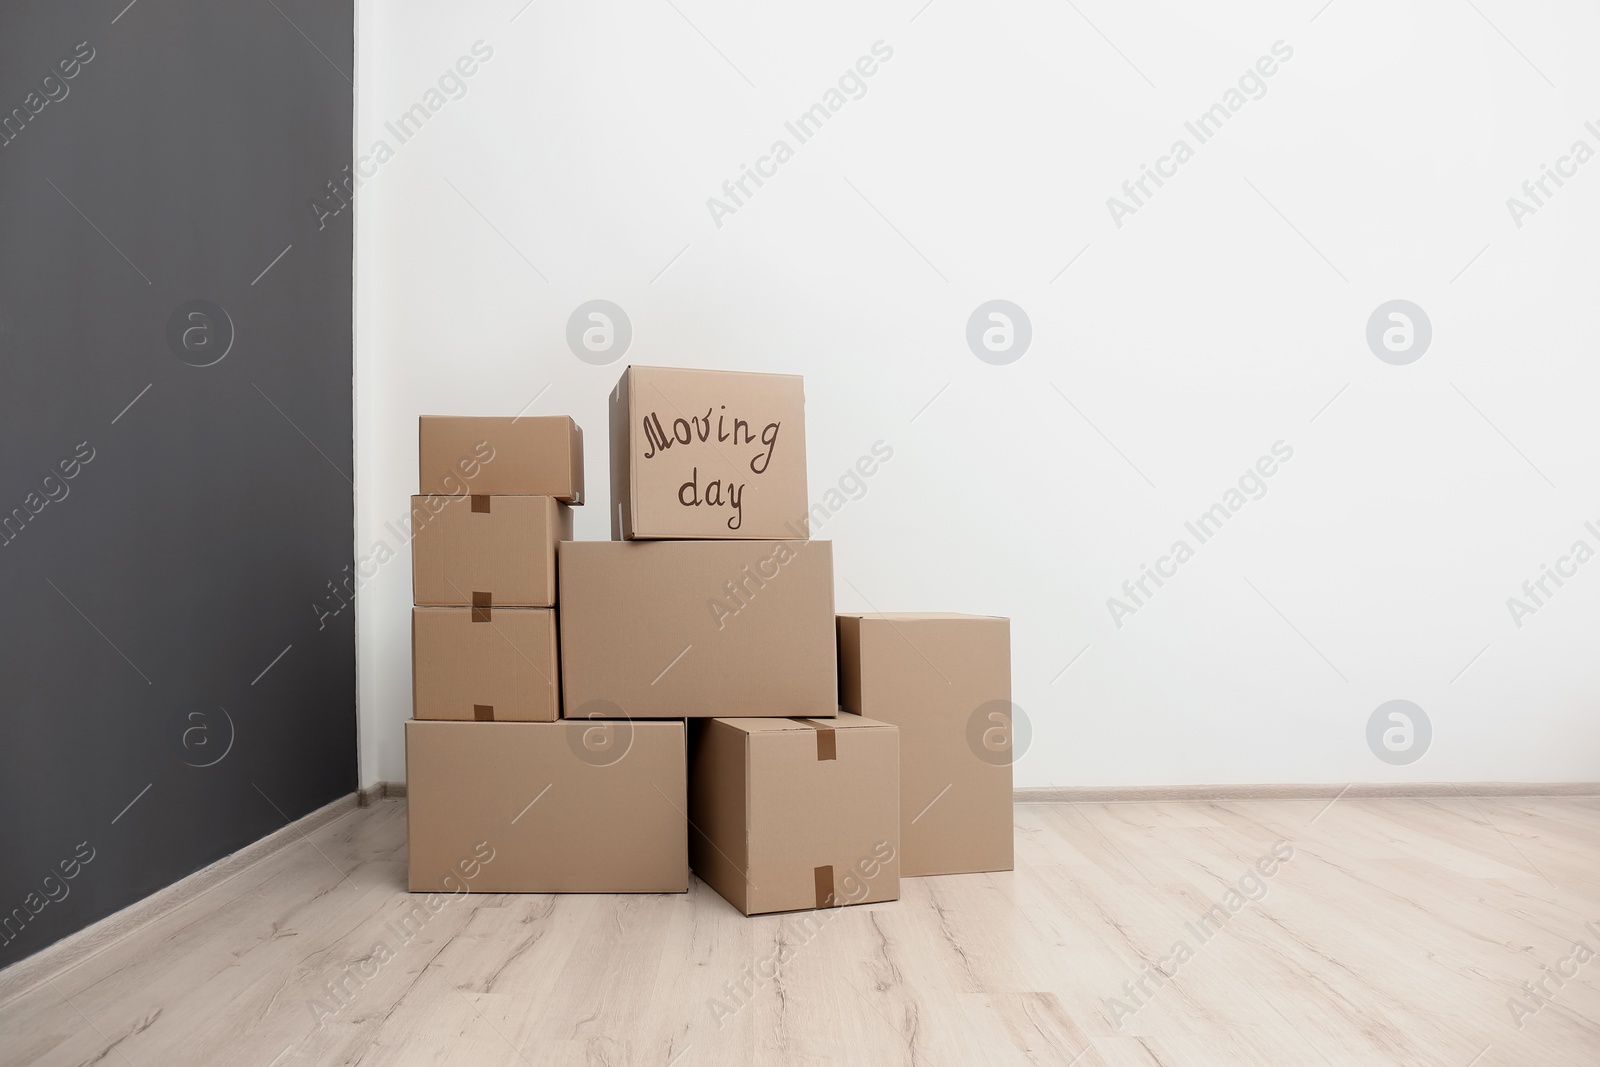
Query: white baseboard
x,y
379,791
1114,794
73,949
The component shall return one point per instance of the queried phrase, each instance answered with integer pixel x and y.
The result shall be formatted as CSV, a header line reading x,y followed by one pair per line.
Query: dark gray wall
x,y
140,608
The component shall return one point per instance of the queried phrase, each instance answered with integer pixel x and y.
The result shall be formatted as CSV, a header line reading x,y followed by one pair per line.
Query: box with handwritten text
x,y
704,454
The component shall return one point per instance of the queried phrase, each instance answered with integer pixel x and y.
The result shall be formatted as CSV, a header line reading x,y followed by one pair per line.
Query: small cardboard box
x,y
532,807
525,456
708,454
694,629
945,680
484,664
485,551
792,813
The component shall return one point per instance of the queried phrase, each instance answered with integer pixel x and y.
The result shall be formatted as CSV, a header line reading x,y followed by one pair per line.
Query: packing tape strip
x,y
823,876
483,713
480,504
482,603
827,742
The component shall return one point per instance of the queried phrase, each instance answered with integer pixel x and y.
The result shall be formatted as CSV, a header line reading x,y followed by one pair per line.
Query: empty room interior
x,y
676,532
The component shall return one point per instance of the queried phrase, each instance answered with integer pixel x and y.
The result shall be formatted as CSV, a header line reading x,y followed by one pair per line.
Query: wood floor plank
x,y
1399,932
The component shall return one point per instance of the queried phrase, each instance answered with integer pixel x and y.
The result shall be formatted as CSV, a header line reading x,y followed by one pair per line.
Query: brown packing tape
x,y
827,742
480,504
481,605
823,876
483,713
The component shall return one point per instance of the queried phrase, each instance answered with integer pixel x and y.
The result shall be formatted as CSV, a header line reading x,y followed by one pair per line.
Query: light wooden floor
x,y
1397,934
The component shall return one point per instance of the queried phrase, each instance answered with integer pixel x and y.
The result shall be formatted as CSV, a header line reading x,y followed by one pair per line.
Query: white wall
x,y
1222,317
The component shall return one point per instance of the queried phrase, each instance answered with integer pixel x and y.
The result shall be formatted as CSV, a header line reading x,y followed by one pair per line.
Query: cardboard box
x,y
708,454
525,456
945,680
790,813
694,629
530,807
484,664
486,551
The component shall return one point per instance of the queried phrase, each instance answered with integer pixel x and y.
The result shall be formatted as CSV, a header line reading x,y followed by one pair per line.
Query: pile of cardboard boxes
x,y
605,716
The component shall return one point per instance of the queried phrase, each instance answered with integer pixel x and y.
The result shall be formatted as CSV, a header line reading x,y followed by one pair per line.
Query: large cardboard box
x,y
530,807
694,629
524,456
792,813
945,680
484,551
484,664
708,454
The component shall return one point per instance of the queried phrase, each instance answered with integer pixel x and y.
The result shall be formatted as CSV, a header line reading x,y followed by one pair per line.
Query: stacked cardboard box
x,y
712,604
700,677
945,681
504,797
710,600
495,500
